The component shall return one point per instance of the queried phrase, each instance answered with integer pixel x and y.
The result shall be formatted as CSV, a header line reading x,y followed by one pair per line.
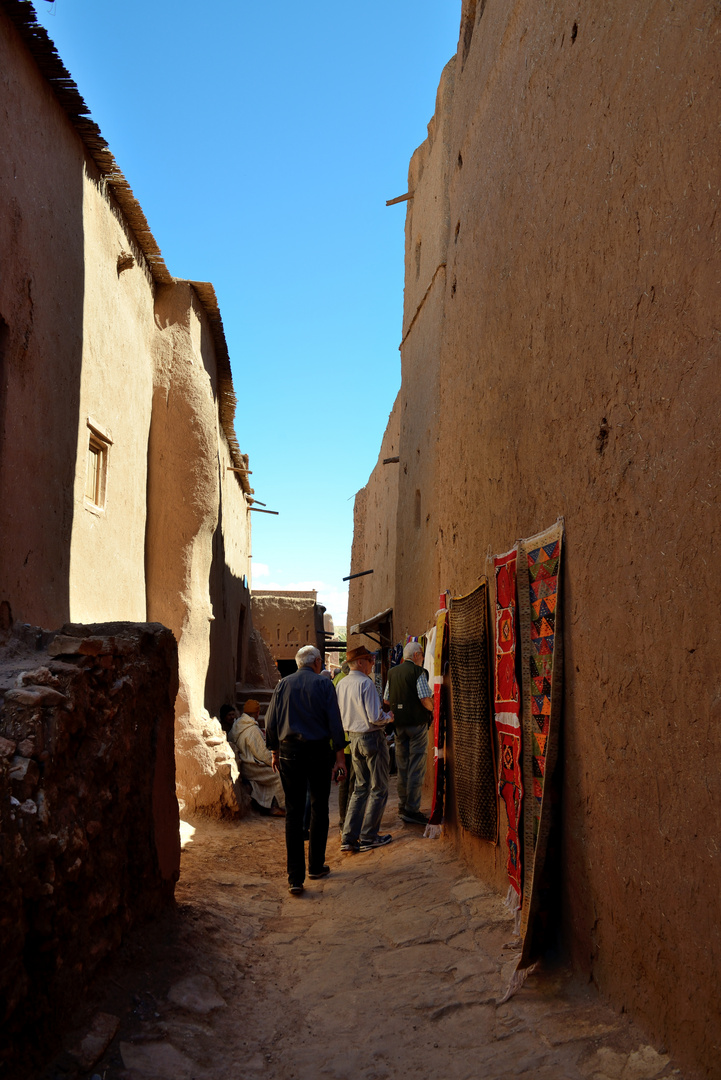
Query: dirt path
x,y
390,967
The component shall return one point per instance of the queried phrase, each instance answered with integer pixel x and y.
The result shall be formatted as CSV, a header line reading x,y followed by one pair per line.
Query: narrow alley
x,y
392,966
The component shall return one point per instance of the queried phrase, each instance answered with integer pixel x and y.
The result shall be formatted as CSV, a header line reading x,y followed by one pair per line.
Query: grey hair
x,y
307,656
411,649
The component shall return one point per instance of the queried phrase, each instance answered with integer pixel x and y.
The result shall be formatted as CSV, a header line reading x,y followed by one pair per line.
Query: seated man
x,y
255,761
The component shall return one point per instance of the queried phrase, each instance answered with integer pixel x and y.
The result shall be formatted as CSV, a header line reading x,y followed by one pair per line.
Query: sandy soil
x,y
391,966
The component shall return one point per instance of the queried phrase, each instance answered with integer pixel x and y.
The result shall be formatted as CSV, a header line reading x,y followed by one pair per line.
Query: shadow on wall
x,y
230,601
41,336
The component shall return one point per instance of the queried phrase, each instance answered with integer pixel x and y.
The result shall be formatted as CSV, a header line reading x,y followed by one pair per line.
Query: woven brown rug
x,y
474,771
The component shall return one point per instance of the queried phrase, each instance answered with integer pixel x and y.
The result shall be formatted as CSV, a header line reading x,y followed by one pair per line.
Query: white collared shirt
x,y
360,706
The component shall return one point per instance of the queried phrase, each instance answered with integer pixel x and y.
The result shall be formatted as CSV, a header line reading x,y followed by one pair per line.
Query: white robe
x,y
254,761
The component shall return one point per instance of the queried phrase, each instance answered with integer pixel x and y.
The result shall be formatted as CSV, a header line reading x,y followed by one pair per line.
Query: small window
x,y
96,471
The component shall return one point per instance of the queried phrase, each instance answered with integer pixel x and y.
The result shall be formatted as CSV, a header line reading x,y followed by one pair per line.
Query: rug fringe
x,y
518,978
432,832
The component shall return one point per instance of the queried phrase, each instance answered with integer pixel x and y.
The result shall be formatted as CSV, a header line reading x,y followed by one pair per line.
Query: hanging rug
x,y
474,773
507,706
540,636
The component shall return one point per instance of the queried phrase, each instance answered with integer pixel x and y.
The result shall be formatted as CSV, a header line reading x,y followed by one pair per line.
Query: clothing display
x,y
438,638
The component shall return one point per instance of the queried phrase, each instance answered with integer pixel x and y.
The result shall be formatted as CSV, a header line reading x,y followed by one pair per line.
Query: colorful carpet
x,y
539,609
474,774
507,705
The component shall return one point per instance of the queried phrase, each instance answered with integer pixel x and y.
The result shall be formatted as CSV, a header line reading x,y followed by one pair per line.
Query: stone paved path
x,y
391,967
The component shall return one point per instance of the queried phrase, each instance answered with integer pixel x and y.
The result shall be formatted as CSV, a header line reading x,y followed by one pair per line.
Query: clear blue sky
x,y
262,141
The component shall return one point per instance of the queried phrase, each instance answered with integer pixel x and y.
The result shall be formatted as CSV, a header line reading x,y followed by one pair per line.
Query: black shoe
x,y
323,872
295,890
414,817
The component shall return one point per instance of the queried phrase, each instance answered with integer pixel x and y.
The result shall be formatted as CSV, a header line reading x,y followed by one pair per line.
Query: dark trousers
x,y
305,766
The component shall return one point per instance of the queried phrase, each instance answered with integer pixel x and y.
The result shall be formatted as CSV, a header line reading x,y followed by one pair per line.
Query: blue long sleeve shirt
x,y
304,706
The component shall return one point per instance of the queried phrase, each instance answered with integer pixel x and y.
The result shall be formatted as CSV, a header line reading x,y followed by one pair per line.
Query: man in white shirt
x,y
364,719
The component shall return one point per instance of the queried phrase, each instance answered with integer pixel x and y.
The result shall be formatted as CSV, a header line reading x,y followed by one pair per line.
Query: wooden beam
x,y
401,198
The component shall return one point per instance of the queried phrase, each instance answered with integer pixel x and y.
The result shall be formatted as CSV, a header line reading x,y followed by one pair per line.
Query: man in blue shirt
x,y
302,720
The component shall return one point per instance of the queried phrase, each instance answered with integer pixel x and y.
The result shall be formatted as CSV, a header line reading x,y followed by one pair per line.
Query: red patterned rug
x,y
539,576
507,706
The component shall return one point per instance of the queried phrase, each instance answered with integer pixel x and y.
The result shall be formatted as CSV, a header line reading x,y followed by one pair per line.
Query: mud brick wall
x,y
89,839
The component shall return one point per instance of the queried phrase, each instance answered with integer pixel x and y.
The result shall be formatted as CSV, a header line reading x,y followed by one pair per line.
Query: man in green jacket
x,y
408,694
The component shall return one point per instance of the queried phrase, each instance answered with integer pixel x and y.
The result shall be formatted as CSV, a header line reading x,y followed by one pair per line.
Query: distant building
x,y
287,620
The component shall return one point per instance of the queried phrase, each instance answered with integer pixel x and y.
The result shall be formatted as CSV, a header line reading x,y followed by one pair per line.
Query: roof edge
x,y
227,400
22,15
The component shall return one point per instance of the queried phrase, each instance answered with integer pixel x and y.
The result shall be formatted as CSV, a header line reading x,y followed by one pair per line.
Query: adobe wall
x,y
420,535
287,621
232,622
89,829
374,536
184,487
74,344
116,395
41,320
578,377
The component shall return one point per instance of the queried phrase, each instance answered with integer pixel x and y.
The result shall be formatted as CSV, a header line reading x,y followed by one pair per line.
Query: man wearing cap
x,y
256,761
408,694
302,718
364,719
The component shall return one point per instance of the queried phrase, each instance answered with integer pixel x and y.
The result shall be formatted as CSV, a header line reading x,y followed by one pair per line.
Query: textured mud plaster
x,y
41,316
116,394
419,495
374,535
89,830
288,620
576,351
182,464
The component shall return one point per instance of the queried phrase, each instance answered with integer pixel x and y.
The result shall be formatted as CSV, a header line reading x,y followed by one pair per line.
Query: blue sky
x,y
262,141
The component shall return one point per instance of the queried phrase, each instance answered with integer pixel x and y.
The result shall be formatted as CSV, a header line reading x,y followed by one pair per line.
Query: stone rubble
x,y
88,818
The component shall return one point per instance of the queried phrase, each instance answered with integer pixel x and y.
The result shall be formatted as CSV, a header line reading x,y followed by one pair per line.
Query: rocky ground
x,y
390,967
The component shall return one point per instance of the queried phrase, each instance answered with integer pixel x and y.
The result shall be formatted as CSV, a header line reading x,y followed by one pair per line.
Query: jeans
x,y
371,764
305,765
411,756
